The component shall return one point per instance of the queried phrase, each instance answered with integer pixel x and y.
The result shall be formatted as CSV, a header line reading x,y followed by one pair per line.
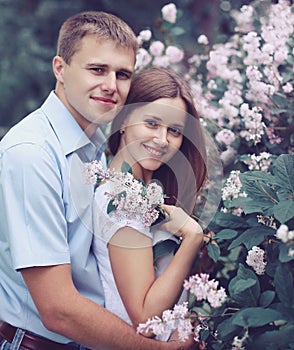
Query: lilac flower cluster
x,y
242,75
180,318
205,289
127,194
255,259
233,187
177,318
258,162
159,54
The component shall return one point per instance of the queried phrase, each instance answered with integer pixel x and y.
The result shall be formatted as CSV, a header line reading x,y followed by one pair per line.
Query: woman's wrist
x,y
192,234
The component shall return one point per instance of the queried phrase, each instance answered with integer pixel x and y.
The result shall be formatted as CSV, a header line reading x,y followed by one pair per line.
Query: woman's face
x,y
153,133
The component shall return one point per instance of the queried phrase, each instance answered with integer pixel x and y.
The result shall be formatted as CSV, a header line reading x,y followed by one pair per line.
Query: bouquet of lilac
x,y
128,194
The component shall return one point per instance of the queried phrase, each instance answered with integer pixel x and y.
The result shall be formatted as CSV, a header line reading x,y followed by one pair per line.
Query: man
x,y
50,292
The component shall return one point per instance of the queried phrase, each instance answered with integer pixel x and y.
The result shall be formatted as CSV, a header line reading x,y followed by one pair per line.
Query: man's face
x,y
96,82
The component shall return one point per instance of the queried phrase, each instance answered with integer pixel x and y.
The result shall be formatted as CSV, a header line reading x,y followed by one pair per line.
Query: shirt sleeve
x,y
107,224
34,212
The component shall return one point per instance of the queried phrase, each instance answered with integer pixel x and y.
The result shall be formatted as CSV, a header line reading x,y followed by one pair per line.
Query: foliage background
x,y
29,29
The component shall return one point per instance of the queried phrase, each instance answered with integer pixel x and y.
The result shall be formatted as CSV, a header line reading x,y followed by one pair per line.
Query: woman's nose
x,y
161,137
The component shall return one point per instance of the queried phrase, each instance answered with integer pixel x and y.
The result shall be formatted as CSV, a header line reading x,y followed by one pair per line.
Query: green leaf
x,y
283,281
282,338
252,236
279,100
126,168
284,253
177,31
110,206
255,317
266,298
284,211
242,285
226,329
213,252
229,220
225,234
248,296
255,184
283,169
256,206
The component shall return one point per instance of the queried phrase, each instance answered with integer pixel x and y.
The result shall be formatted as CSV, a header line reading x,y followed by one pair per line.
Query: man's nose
x,y
109,83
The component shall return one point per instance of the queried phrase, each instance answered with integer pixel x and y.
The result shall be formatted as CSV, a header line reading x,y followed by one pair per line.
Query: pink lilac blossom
x,y
233,187
92,171
255,259
287,88
225,136
143,59
273,138
174,54
244,19
277,29
178,318
258,162
258,90
161,61
156,48
144,35
254,127
267,221
128,195
169,12
205,289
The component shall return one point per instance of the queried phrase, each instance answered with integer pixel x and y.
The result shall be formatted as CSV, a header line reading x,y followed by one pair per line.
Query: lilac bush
x,y
243,90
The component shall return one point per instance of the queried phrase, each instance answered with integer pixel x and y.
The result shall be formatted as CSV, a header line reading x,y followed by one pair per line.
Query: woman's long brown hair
x,y
184,175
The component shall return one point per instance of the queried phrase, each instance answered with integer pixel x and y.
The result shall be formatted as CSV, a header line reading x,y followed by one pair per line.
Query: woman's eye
x,y
151,123
175,131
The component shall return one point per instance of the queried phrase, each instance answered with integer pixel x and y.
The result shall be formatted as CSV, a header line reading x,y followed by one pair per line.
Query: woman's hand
x,y
189,344
180,223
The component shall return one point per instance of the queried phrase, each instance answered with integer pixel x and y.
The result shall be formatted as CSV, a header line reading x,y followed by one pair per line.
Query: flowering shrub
x,y
243,90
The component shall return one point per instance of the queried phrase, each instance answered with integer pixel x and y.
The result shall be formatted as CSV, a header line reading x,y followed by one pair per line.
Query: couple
x,y
51,289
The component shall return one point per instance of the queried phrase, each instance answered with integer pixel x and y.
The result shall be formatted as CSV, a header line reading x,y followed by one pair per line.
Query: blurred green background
x,y
29,29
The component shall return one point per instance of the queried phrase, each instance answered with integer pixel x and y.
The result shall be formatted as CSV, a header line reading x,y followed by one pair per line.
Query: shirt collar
x,y
68,131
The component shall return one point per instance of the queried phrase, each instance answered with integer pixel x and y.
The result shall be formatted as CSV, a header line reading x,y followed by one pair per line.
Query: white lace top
x,y
105,226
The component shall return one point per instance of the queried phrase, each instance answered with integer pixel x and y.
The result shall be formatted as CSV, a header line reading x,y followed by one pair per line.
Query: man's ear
x,y
58,68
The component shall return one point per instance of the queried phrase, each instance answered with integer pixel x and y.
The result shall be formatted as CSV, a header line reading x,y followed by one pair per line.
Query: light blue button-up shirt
x,y
45,209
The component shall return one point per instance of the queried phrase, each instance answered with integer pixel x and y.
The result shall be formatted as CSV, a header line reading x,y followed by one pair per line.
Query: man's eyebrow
x,y
104,65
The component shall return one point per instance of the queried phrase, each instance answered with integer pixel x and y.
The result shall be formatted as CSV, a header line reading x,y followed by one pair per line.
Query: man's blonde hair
x,y
104,26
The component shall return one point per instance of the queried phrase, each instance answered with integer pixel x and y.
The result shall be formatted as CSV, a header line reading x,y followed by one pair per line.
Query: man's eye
x,y
123,75
175,131
97,70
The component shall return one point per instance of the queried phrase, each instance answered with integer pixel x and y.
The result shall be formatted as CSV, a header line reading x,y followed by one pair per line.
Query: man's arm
x,y
63,310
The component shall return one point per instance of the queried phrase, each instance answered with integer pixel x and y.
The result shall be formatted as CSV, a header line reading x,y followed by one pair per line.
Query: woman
x,y
159,135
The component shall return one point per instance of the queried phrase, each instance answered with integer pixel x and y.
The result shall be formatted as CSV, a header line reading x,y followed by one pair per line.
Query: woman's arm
x,y
133,269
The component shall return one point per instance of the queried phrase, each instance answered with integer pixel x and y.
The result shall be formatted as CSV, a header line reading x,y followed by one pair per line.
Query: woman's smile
x,y
155,152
